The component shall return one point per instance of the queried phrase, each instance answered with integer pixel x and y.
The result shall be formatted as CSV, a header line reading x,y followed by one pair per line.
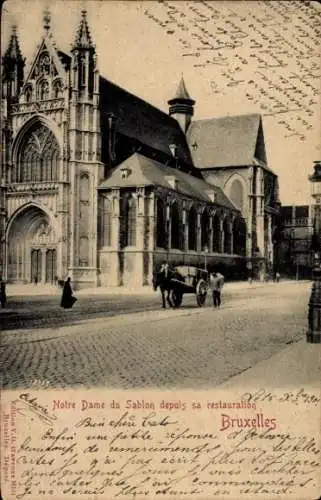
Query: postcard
x,y
160,250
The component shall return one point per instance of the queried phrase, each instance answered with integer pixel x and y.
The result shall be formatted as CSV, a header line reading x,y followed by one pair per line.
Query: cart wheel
x,y
201,293
176,298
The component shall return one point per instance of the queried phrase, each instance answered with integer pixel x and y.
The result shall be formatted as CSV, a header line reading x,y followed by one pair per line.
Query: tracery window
x,y
192,229
175,226
38,157
205,226
106,222
84,220
239,237
237,194
128,221
227,236
216,234
161,236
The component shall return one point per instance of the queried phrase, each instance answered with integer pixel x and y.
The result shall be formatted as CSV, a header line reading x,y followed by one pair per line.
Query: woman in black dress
x,y
67,298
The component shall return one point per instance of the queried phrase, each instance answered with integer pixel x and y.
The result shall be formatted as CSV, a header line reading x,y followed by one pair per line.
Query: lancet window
x,y
192,229
160,224
128,221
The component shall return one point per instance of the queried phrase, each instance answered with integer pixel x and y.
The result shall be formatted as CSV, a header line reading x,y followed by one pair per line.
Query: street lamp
x,y
314,314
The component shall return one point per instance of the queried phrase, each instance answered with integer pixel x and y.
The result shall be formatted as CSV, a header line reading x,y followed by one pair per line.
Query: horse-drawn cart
x,y
180,280
190,280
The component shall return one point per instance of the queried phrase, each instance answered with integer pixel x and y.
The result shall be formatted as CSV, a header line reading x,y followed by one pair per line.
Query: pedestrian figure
x,y
3,295
67,298
36,280
216,285
277,277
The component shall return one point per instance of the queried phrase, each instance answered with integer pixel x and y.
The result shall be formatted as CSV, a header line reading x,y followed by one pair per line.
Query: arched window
x,y
205,229
106,222
128,221
43,90
82,71
161,237
28,93
227,236
57,89
192,229
237,194
239,237
38,157
175,226
216,234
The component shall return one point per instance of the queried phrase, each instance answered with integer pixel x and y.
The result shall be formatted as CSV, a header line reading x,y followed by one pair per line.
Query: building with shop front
x,y
101,186
294,255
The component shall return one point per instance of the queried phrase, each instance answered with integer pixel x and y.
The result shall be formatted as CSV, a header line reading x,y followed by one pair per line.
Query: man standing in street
x,y
216,284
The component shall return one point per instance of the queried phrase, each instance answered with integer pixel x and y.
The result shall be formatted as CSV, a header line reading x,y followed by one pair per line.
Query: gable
x,y
226,142
46,65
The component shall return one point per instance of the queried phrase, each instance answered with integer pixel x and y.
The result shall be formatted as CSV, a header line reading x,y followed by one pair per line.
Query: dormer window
x,y
125,172
172,181
211,194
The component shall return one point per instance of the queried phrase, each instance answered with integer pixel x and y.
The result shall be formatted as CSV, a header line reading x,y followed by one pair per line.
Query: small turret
x,y
84,59
181,107
13,65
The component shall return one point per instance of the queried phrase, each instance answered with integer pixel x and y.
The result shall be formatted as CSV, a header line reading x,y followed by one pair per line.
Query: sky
x,y
141,57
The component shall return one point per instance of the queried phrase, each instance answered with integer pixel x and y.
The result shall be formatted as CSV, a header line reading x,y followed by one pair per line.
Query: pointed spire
x,y
83,38
13,51
13,65
181,106
181,95
181,92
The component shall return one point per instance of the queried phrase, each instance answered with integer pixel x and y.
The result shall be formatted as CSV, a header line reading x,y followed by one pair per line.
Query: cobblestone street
x,y
106,342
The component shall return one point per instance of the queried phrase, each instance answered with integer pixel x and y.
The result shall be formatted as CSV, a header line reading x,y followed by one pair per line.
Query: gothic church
x,y
101,186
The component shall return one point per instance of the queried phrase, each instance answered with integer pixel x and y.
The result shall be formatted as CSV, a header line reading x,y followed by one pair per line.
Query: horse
x,y
162,279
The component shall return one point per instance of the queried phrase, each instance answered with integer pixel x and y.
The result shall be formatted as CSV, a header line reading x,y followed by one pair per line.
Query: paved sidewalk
x,y
31,289
298,365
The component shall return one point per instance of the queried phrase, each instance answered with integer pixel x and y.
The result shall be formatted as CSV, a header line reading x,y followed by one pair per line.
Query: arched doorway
x,y
32,247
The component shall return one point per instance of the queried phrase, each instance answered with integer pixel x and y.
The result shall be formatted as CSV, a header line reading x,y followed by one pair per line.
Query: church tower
x,y
181,107
12,80
86,170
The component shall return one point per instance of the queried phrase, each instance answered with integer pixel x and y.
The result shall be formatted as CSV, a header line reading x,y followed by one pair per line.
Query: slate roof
x,y
141,121
225,142
147,172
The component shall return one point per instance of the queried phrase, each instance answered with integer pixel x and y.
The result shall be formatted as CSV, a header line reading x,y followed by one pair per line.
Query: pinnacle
x,y
83,38
13,50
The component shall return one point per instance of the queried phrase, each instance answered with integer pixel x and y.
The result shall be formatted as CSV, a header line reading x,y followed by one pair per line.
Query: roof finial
x,y
46,20
83,38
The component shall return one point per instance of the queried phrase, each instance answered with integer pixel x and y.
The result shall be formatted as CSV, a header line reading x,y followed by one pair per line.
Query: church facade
x,y
101,186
